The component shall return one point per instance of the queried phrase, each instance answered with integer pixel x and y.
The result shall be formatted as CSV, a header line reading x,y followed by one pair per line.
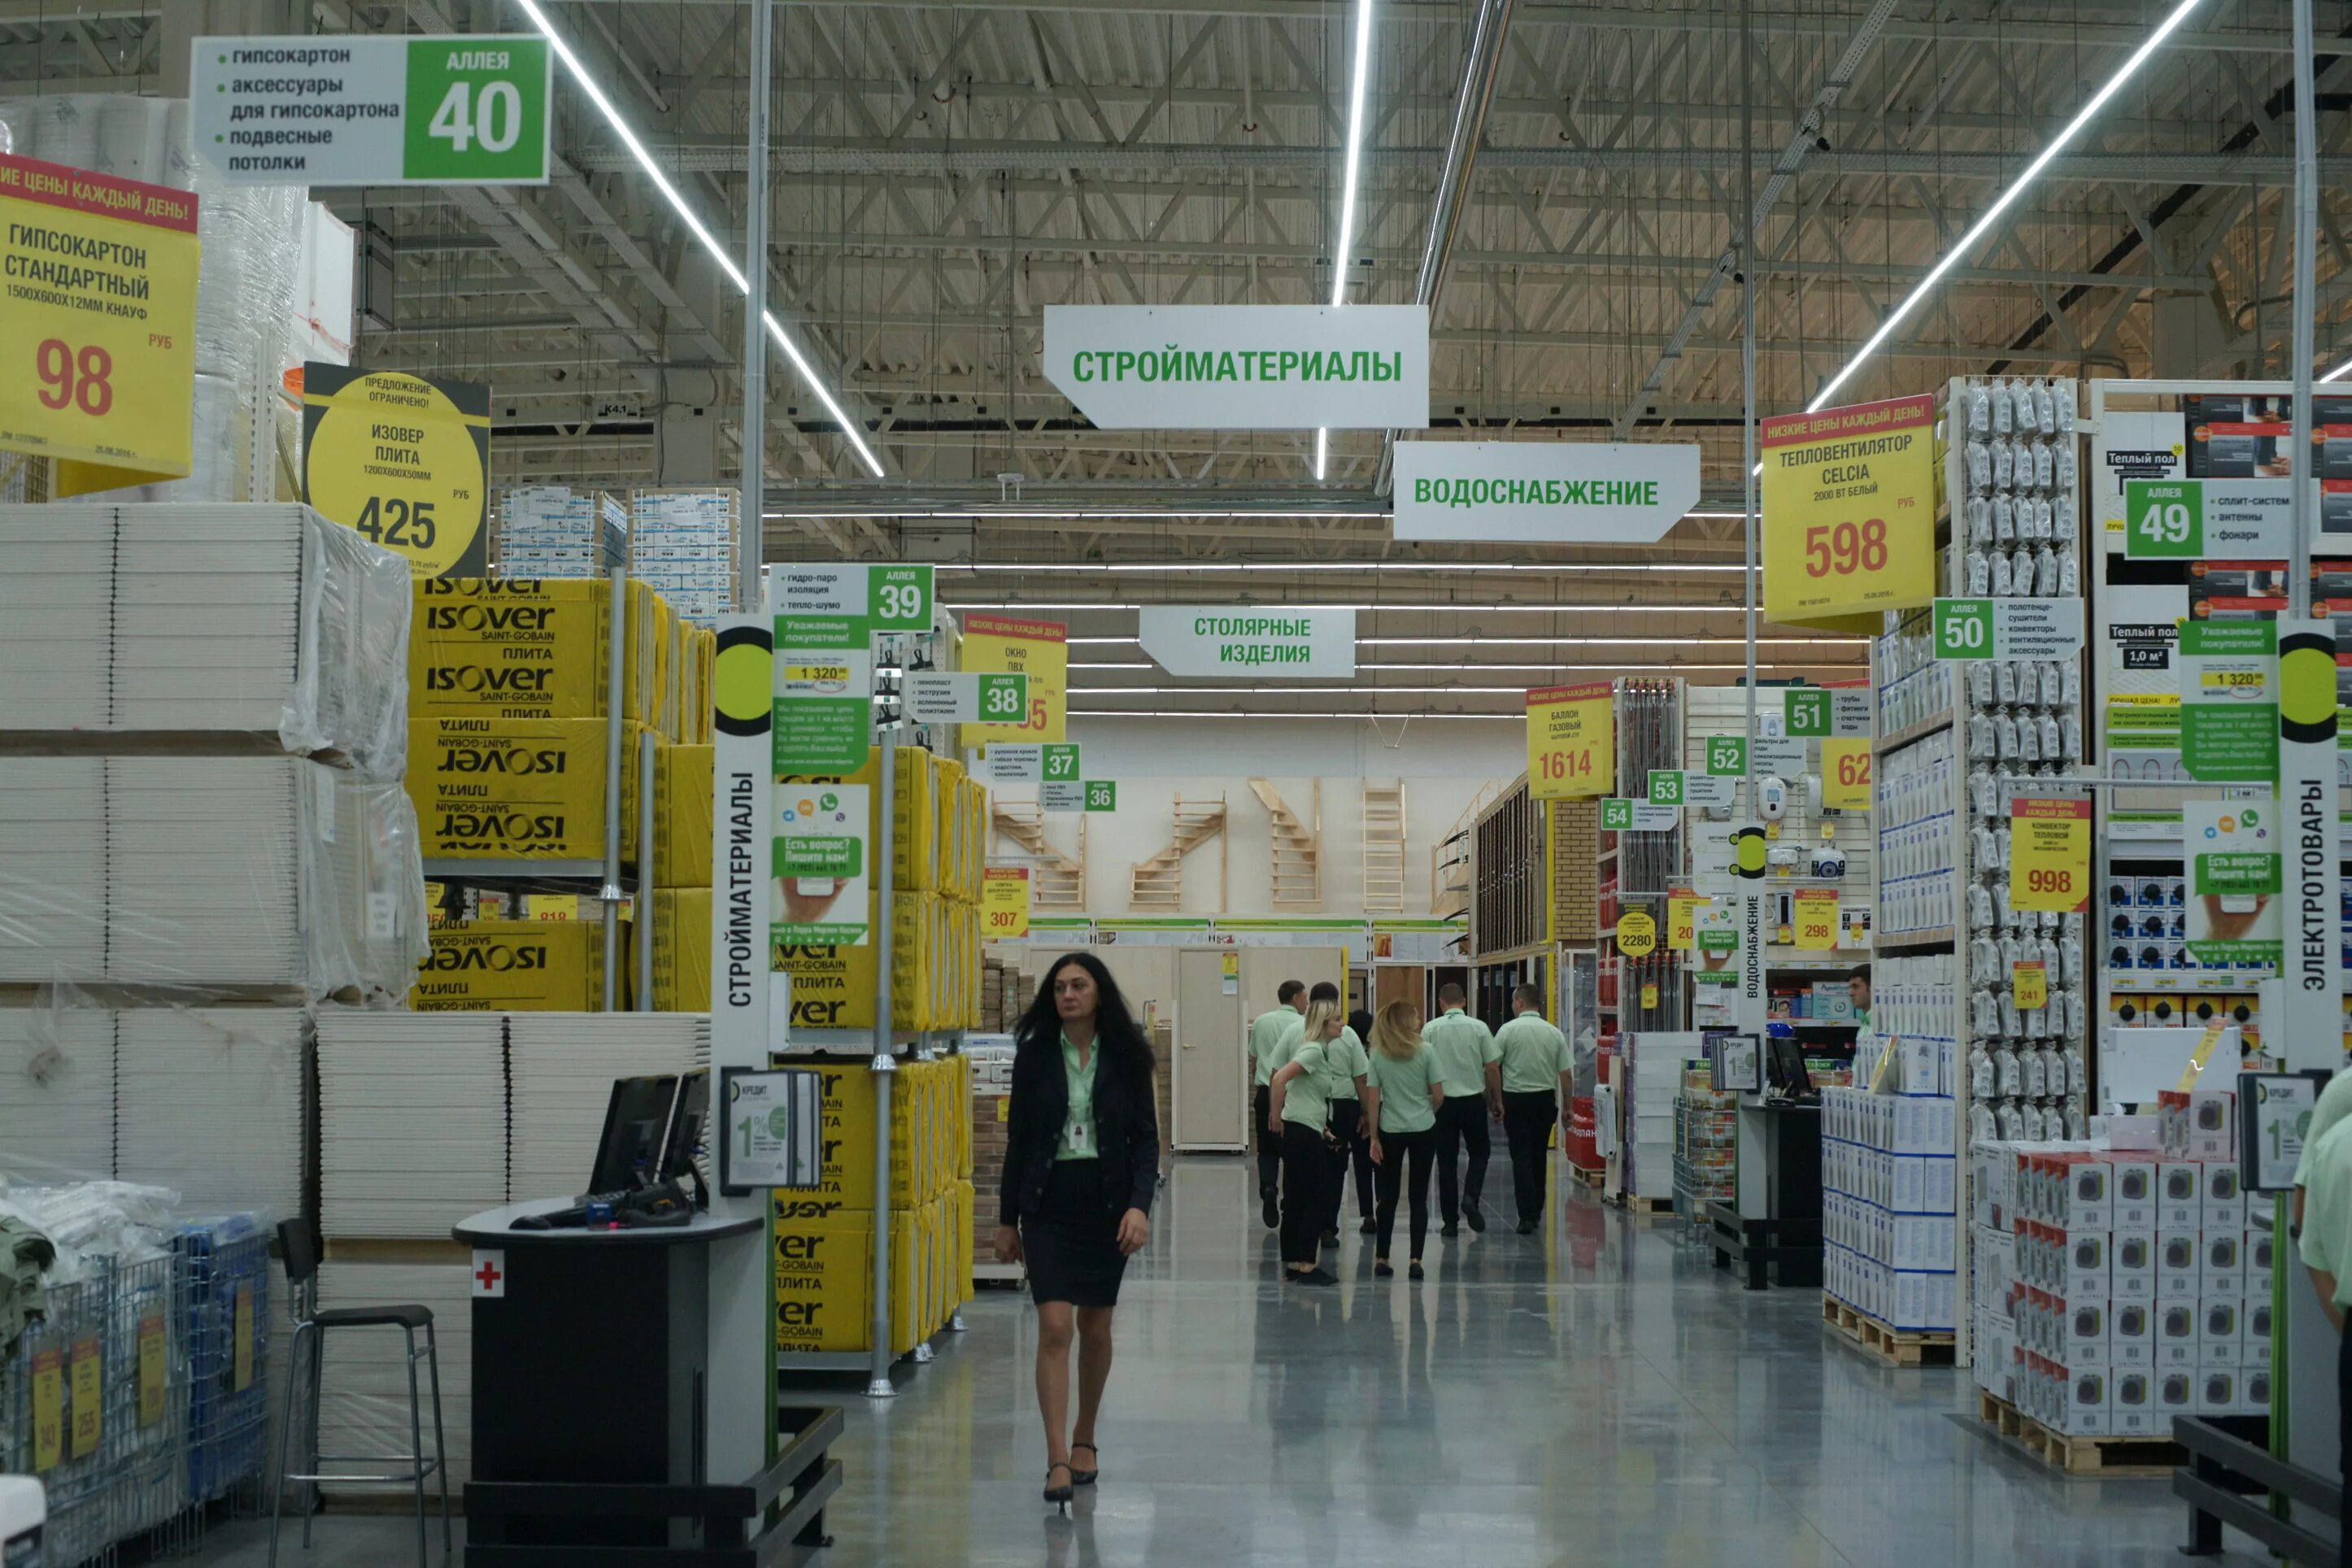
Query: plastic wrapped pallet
x,y
189,622
56,1094
412,1120
208,1103
208,871
364,1406
554,531
563,1065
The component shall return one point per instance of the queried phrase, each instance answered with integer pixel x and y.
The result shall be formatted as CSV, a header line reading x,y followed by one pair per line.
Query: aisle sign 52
x,y
1571,741
1849,513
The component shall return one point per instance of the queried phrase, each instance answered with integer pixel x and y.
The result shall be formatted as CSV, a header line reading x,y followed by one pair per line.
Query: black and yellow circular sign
x,y
2307,686
743,685
1748,851
1637,934
402,460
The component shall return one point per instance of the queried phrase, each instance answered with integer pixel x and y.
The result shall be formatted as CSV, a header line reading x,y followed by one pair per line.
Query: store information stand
x,y
623,1385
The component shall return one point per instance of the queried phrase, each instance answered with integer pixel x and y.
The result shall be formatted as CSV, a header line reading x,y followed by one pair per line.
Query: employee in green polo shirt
x,y
1298,1107
1468,1065
1265,1031
1535,1086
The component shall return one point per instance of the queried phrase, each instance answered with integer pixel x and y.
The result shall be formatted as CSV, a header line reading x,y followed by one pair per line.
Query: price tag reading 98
x,y
2049,855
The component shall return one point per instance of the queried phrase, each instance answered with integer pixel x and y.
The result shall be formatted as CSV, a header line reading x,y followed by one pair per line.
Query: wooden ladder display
x,y
1297,846
1384,838
1158,883
1056,881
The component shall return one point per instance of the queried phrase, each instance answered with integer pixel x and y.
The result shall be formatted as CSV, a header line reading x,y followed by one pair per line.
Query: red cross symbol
x,y
490,1274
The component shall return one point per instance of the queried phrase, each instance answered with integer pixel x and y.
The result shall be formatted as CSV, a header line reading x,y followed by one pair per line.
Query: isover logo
x,y
502,826
493,957
487,617
480,587
517,762
511,681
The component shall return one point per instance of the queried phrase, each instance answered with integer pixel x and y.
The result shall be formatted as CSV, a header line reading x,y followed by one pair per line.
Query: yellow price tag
x,y
98,316
555,905
1817,920
89,1403
1005,902
2049,855
1845,774
1649,997
1007,644
1849,498
241,1341
1682,918
2029,983
404,461
2198,1058
1571,741
48,1408
1637,934
817,672
154,1375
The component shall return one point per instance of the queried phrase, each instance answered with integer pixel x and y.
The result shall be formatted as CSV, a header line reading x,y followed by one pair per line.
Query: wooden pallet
x,y
1592,1178
1645,1208
2110,1459
1892,1346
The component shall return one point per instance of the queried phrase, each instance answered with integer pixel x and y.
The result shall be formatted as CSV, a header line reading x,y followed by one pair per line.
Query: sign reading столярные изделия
x,y
1311,643
1242,368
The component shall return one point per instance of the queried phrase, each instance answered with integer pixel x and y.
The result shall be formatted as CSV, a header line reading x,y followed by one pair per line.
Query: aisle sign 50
x,y
1571,741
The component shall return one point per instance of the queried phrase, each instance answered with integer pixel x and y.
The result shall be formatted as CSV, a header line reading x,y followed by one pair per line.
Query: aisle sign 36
x,y
1571,741
1849,513
98,311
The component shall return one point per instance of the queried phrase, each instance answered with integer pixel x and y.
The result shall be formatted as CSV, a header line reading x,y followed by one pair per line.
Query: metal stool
x,y
298,1241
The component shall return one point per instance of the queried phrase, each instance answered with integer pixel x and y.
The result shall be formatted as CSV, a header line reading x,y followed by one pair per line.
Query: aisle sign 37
x,y
1849,513
1571,741
97,310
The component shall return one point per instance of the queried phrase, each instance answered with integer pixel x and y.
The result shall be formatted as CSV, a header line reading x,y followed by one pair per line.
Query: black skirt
x,y
1071,1243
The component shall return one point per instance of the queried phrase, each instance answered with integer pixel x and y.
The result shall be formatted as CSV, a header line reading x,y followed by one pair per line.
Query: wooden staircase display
x,y
1298,862
1449,860
1158,883
1056,881
1383,858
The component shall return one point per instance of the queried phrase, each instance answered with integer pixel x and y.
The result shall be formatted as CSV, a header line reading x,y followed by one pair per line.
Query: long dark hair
x,y
1118,1035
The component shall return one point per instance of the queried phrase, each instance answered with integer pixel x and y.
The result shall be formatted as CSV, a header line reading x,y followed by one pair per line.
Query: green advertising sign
x,y
2229,700
825,621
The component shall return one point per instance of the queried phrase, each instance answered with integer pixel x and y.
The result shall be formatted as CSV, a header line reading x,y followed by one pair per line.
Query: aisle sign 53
x,y
1849,513
98,343
1571,741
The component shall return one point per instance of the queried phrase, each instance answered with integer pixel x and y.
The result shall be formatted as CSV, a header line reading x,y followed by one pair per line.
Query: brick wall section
x,y
1575,829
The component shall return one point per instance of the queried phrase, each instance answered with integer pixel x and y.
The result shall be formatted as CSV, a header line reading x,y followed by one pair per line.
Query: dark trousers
x,y
1396,1149
1269,1147
1527,1129
1306,1172
1461,1124
1355,1147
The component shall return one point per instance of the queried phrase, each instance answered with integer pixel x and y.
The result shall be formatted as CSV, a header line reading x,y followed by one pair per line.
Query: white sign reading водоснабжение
x,y
1242,368
1597,492
1315,644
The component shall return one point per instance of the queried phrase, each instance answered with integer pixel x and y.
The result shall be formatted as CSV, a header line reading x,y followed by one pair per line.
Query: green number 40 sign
x,y
475,109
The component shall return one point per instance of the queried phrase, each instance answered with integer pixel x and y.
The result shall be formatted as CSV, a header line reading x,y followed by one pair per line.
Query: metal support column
x,y
751,530
616,688
2306,301
643,906
878,1357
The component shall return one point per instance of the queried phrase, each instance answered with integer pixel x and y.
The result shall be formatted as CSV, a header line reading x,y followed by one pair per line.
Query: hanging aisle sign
x,y
960,697
1057,761
2198,520
1242,368
355,110
1591,492
1571,741
98,311
1815,711
2008,628
1676,786
825,619
1849,498
404,461
1037,649
1307,642
1622,815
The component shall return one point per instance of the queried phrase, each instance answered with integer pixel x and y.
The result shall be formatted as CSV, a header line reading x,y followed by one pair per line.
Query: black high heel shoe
x,y
1058,1496
1079,1478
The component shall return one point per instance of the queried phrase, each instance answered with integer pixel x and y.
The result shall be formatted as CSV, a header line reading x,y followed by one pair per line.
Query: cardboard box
x,y
2179,1264
2179,1333
681,938
2136,1201
2221,1330
2175,1394
2131,1332
512,966
2132,1265
2180,1195
682,776
2131,1404
824,1282
518,789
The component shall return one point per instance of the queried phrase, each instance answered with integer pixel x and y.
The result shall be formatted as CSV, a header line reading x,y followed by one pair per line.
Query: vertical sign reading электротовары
x,y
97,310
1849,498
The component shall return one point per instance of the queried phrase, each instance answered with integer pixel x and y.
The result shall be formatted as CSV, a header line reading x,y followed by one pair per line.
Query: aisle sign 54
x,y
1571,741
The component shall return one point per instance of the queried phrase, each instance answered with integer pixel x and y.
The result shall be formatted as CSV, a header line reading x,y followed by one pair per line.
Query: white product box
x,y
2179,1264
2090,1195
2086,1395
2178,1324
2224,1266
2084,1331
2180,1195
2221,1330
2225,1200
2131,1332
2135,1194
2132,1262
2209,1125
2218,1390
2255,1333
2086,1264
2254,1390
2131,1402
1921,1184
2175,1394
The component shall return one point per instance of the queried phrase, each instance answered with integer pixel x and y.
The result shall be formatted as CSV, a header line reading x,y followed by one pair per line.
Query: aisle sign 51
x,y
1849,513
98,340
1571,741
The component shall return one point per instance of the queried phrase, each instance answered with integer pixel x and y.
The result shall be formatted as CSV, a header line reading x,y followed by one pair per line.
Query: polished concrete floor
x,y
1592,1394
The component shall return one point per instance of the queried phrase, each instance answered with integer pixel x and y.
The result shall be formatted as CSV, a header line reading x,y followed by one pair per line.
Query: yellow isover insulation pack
x,y
519,789
682,817
681,950
523,647
513,966
824,1235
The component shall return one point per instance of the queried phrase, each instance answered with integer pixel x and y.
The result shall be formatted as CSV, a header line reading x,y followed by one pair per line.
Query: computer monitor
x,y
641,1121
693,1103
1784,1068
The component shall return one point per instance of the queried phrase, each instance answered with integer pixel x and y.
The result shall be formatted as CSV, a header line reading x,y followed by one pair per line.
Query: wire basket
x,y
225,1271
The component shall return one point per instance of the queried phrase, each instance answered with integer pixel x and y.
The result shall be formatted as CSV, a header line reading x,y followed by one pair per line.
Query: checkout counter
x,y
1772,1229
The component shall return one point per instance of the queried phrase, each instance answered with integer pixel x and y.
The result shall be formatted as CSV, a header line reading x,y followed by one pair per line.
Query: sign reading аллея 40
x,y
1242,368
351,110
98,311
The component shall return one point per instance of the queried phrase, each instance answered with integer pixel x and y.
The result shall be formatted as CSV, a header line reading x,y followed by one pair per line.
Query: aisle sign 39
x,y
97,349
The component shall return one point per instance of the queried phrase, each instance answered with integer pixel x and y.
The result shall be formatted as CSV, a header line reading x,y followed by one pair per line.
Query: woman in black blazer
x,y
1080,1167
